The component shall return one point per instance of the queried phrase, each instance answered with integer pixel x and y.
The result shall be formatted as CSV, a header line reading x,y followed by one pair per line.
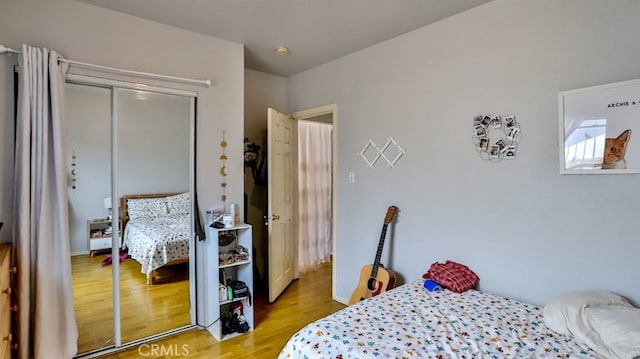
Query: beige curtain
x,y
315,193
46,318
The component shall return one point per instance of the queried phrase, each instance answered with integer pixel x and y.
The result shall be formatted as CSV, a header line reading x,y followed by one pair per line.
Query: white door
x,y
280,198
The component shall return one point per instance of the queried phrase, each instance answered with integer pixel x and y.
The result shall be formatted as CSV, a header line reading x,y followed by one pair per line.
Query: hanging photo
x,y
494,154
513,132
510,121
510,152
484,144
480,131
495,122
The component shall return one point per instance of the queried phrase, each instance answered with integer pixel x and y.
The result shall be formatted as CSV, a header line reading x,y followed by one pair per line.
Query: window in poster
x,y
597,129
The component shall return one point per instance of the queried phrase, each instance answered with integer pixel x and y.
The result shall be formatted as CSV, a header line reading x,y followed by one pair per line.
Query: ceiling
x,y
315,31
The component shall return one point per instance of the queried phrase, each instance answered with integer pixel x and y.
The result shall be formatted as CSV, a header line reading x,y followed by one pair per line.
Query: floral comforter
x,y
154,242
410,322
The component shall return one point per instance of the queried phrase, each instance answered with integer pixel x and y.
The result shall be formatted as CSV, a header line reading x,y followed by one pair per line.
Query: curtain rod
x,y
203,83
7,49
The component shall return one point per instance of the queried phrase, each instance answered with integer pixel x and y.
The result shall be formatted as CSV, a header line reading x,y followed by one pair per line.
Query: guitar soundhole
x,y
372,284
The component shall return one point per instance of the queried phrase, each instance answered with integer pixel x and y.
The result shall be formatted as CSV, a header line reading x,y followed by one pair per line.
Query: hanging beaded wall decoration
x,y
74,172
496,137
223,170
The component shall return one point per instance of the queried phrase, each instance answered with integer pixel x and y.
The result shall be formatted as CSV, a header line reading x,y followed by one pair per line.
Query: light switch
x,y
352,177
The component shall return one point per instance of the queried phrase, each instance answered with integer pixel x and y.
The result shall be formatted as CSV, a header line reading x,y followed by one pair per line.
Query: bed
x,y
411,322
156,230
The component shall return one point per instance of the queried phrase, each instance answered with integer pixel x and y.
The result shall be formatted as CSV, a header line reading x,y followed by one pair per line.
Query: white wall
x,y
527,231
91,34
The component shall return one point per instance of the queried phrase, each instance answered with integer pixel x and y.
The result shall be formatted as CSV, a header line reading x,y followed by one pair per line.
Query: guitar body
x,y
369,287
374,278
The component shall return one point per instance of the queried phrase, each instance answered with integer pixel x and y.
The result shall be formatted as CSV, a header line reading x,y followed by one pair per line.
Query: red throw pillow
x,y
451,275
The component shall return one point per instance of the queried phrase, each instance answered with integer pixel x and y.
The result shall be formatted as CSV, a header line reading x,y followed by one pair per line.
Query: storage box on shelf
x,y
229,306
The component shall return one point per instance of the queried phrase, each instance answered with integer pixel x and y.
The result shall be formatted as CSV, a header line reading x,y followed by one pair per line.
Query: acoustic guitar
x,y
374,278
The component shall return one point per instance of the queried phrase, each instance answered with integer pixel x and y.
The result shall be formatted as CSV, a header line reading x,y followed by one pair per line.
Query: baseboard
x,y
342,300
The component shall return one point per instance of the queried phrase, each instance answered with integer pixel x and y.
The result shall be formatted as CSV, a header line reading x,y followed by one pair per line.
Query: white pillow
x,y
563,312
604,321
179,204
146,207
617,328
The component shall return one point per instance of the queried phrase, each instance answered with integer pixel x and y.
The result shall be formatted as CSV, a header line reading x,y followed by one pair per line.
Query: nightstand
x,y
98,238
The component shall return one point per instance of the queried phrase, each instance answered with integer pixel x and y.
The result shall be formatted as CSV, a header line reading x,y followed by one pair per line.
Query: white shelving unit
x,y
241,270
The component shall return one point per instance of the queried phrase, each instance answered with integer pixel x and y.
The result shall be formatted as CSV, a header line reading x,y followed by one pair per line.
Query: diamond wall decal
x,y
370,147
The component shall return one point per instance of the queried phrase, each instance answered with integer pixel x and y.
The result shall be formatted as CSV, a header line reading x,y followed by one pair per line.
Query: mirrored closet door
x,y
130,157
88,136
153,142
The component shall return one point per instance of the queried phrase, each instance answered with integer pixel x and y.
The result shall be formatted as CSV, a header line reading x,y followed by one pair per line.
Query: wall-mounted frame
x,y
600,129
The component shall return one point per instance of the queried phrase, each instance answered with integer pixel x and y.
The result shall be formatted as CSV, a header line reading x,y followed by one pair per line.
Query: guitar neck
x,y
376,262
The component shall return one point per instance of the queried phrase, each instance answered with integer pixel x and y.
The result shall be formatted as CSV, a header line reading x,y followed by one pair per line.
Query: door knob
x,y
275,217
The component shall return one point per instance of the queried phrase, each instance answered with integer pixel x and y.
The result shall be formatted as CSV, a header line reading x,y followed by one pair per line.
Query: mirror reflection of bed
x,y
156,231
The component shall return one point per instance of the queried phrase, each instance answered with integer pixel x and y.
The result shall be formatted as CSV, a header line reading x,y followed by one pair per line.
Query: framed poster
x,y
600,129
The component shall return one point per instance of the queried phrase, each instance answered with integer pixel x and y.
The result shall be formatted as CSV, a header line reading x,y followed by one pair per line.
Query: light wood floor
x,y
305,300
145,310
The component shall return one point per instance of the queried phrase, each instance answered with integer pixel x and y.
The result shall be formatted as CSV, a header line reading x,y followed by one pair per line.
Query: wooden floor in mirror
x,y
145,309
306,300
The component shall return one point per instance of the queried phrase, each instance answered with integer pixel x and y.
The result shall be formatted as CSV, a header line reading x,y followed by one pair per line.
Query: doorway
x,y
258,213
325,115
285,267
315,191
